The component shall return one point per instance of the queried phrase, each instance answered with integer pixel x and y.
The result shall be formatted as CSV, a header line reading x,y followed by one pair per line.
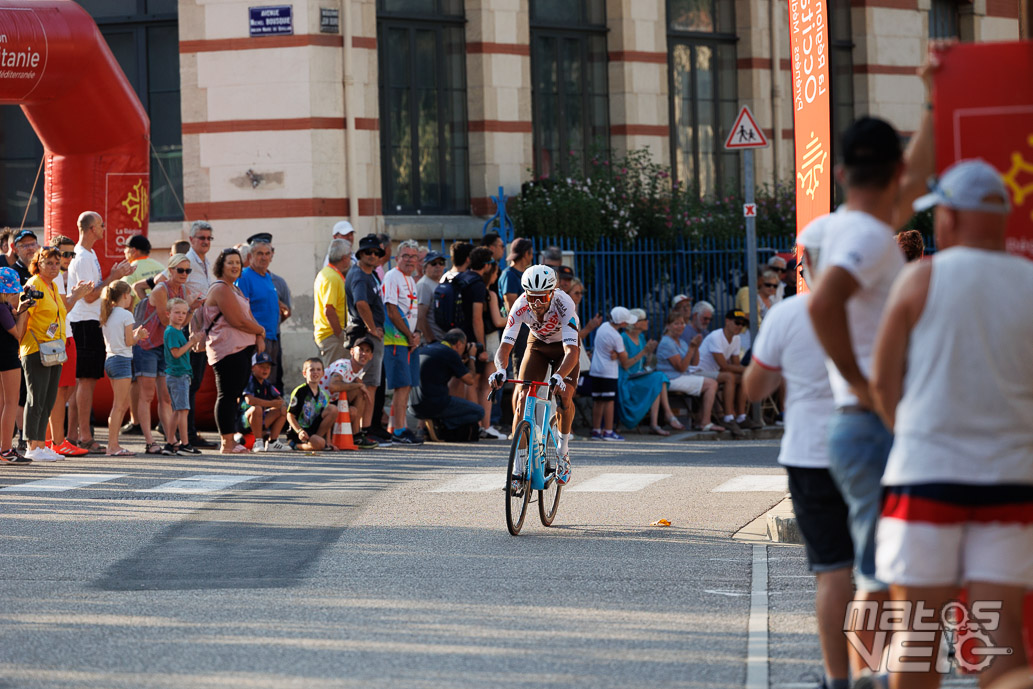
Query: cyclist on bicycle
x,y
551,317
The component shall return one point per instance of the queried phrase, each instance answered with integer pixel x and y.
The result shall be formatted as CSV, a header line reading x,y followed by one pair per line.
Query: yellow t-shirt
x,y
44,314
329,289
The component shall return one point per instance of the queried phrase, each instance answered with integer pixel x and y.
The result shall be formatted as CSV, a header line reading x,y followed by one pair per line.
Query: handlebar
x,y
534,385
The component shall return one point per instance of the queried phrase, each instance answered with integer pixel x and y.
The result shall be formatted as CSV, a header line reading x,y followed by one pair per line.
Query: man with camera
x,y
439,364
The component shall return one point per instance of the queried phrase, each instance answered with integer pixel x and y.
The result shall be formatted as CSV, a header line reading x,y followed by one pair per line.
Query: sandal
x,y
154,449
93,447
713,427
674,423
659,431
121,452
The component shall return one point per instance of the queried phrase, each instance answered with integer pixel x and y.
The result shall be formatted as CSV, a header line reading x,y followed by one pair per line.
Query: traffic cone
x,y
342,433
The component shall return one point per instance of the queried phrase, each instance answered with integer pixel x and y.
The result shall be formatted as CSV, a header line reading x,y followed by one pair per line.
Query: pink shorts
x,y
67,379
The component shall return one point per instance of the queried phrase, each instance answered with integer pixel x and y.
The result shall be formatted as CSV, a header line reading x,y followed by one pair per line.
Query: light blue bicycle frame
x,y
541,434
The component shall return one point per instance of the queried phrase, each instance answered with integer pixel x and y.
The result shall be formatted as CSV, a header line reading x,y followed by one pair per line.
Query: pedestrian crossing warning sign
x,y
745,133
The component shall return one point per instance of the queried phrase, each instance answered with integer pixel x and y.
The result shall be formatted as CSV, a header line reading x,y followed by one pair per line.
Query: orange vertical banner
x,y
812,121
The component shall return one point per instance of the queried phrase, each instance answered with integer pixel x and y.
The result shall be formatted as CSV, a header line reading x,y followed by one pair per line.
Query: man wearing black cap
x,y
25,245
257,285
433,269
366,317
138,253
860,260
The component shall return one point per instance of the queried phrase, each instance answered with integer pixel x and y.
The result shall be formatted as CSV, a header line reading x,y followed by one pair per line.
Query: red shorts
x,y
67,379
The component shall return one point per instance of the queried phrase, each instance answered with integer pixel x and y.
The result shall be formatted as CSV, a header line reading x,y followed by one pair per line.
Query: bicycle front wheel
x,y
518,480
549,498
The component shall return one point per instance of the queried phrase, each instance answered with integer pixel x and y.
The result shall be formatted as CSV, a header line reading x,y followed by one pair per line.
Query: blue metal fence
x,y
648,273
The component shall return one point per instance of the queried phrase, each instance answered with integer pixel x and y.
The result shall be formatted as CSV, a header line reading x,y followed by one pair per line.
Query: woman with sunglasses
x,y
47,323
233,336
149,355
61,444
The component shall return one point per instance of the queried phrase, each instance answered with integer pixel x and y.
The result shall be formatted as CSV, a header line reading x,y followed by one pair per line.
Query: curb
x,y
777,525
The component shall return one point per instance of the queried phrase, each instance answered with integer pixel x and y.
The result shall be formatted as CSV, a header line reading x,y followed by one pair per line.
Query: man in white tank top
x,y
958,393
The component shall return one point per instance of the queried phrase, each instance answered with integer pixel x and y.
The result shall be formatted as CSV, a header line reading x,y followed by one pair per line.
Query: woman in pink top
x,y
233,337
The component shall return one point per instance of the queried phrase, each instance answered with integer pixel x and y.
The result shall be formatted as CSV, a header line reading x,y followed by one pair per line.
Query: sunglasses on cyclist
x,y
538,298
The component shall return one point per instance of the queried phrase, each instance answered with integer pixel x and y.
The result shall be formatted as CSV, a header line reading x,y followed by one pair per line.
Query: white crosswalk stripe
x,y
200,483
616,483
604,483
59,484
762,483
473,483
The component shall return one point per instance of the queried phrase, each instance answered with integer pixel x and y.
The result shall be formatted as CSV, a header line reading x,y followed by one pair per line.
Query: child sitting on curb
x,y
310,415
264,411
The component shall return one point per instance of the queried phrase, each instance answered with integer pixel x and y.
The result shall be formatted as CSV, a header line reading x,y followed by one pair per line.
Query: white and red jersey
x,y
560,323
343,368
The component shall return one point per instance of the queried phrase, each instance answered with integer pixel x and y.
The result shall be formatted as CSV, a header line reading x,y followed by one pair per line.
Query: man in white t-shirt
x,y
788,350
85,320
198,282
859,261
607,357
401,339
719,354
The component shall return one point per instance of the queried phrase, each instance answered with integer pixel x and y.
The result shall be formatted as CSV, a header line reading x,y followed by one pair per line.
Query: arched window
x,y
423,137
704,93
569,83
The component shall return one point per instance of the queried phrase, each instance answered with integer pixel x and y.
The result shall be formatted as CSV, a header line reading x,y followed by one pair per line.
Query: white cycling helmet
x,y
538,279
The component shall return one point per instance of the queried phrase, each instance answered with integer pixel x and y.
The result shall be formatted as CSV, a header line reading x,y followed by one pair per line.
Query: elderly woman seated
x,y
639,390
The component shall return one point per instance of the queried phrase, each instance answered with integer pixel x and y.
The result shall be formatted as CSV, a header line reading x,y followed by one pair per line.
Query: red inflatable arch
x,y
56,65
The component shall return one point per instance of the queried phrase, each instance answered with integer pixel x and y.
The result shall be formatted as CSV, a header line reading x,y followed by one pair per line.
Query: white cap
x,y
621,316
343,228
677,299
639,314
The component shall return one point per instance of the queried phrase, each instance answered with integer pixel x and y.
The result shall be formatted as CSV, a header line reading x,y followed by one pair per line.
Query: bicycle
x,y
533,459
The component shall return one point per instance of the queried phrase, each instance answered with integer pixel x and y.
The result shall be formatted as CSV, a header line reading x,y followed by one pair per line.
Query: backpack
x,y
448,302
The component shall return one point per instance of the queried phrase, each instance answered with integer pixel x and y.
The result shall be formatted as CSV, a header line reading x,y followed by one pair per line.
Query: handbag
x,y
51,353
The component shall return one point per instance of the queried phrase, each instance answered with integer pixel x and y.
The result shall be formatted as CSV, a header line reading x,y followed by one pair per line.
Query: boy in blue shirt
x,y
178,374
263,407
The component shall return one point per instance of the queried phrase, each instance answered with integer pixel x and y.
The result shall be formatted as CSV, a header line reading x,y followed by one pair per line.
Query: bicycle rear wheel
x,y
518,482
549,498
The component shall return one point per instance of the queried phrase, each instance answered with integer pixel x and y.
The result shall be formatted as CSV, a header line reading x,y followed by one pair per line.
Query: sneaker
x,y
67,449
382,437
563,470
202,443
130,428
749,424
259,446
363,442
406,437
187,449
12,457
596,435
492,434
169,450
276,446
612,435
42,454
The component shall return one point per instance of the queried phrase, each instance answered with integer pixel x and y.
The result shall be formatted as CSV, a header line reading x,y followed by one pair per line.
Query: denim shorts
x,y
859,445
149,363
401,366
118,367
179,391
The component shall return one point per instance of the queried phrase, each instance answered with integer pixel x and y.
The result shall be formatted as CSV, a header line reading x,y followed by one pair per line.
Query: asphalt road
x,y
393,568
